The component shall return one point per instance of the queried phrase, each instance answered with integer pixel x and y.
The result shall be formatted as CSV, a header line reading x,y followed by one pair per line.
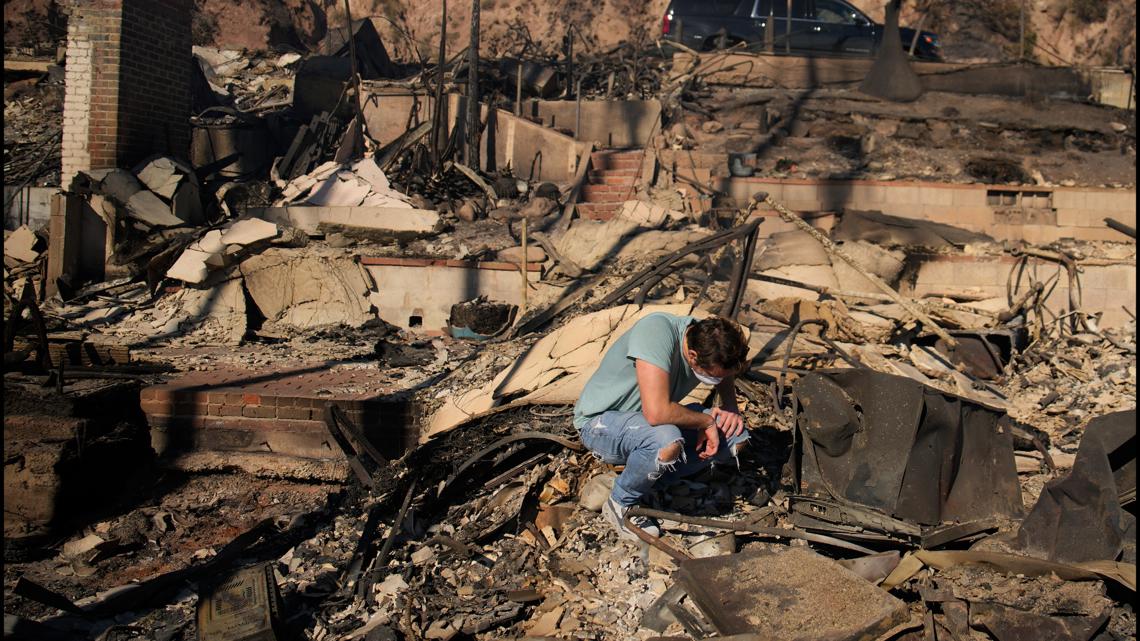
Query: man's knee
x,y
671,452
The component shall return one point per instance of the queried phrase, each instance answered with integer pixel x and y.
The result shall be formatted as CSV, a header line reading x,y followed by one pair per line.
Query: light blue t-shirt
x,y
655,339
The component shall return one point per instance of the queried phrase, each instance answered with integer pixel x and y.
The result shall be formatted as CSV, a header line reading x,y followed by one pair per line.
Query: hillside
x,y
1082,32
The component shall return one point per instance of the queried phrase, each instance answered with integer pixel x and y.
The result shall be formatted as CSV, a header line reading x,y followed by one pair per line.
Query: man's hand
x,y
729,423
708,442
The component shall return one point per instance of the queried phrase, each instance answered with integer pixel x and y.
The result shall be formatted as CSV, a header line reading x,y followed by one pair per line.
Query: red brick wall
x,y
154,80
128,83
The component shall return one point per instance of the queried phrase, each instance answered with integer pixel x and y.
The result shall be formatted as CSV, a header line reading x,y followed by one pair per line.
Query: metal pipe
x,y
909,306
524,263
518,89
738,526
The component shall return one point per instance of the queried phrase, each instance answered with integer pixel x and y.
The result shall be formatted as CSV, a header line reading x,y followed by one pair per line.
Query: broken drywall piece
x,y
190,267
119,184
339,191
787,248
23,245
589,243
147,207
369,172
534,254
656,244
161,176
249,231
647,214
304,291
884,263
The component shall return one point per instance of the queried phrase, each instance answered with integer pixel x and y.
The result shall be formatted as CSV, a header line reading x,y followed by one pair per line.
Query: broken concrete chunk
x,y
534,254
249,231
303,291
23,245
790,248
149,208
81,546
161,176
120,184
187,203
537,208
190,267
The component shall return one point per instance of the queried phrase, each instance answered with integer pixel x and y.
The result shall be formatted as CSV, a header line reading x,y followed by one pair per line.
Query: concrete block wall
x,y
616,124
1079,211
534,152
127,91
1103,288
427,288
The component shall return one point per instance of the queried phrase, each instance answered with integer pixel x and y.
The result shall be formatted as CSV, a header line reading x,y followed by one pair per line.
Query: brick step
x,y
597,211
607,179
605,193
616,160
615,164
625,171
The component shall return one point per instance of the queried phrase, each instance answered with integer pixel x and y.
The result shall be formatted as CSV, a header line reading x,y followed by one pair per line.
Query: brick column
x,y
128,83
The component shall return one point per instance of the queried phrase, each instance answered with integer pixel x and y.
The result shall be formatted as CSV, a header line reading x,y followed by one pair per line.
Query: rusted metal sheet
x,y
909,453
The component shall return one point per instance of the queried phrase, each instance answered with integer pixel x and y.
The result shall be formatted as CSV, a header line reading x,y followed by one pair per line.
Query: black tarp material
x,y
1079,518
909,451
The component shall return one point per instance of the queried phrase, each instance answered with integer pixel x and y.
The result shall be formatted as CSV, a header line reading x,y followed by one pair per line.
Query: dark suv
x,y
816,26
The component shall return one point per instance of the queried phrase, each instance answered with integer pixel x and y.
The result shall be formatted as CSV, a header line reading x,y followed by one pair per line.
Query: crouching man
x,y
629,411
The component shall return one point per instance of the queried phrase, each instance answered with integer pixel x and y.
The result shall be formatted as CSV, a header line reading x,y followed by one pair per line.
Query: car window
x,y
708,7
779,8
834,12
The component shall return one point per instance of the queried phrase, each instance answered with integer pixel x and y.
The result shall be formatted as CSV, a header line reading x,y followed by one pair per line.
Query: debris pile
x,y
331,371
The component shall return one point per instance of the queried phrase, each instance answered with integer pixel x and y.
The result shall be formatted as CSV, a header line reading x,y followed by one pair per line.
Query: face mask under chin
x,y
706,379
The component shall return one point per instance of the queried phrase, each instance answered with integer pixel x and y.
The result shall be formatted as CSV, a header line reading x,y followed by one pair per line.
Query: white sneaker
x,y
615,514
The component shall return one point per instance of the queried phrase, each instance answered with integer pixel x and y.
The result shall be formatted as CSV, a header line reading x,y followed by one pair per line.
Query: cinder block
x,y
1071,218
978,274
935,196
1114,278
902,195
934,272
801,193
969,196
1068,199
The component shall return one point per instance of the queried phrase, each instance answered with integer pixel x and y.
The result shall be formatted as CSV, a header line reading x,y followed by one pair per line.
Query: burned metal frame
x,y
650,277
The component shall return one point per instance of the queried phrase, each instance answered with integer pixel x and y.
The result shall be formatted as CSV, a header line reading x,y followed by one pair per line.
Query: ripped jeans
x,y
627,438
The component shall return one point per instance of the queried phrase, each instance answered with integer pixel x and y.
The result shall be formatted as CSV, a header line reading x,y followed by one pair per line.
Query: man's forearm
x,y
682,417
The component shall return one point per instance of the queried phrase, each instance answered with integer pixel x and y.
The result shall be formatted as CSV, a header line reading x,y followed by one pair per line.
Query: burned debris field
x,y
308,308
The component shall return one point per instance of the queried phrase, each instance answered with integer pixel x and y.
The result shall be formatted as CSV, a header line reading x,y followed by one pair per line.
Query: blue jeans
x,y
627,438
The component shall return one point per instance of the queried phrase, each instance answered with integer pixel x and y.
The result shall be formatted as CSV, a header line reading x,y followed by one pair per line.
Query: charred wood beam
x,y
1121,227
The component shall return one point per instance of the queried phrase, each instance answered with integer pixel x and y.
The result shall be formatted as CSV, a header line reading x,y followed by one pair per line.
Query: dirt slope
x,y
1084,32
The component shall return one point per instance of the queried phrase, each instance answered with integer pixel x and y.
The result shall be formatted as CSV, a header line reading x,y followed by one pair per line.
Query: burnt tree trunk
x,y
891,77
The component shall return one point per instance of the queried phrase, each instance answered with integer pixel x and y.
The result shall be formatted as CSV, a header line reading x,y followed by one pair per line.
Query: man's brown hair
x,y
718,342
